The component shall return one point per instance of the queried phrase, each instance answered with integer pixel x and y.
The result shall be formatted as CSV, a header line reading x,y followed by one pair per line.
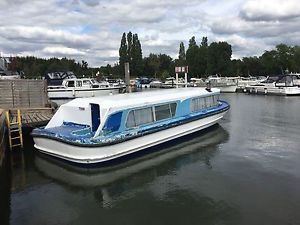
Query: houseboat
x,y
277,85
79,88
96,130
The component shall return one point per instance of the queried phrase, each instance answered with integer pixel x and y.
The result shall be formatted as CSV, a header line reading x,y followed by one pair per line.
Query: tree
x,y
192,54
296,59
202,57
123,55
131,51
250,66
270,63
129,46
137,56
284,57
181,56
219,58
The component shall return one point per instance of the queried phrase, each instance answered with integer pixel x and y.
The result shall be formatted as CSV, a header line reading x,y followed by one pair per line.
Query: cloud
x,y
62,51
44,35
264,10
91,30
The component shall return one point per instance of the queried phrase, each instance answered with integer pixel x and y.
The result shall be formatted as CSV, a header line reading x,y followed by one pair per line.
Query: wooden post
x,y
127,77
176,80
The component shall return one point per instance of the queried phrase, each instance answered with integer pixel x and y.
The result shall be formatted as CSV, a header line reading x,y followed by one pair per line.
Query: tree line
x,y
202,59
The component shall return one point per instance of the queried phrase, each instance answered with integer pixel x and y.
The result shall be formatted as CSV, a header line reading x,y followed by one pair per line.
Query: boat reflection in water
x,y
152,179
199,146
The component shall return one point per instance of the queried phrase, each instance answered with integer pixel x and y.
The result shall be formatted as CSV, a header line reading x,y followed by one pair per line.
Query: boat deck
x,y
72,131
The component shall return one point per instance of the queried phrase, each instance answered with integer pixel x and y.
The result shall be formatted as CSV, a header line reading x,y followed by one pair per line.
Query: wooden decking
x,y
33,117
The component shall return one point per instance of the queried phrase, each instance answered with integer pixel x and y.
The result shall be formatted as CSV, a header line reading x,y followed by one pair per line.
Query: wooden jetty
x,y
32,117
29,98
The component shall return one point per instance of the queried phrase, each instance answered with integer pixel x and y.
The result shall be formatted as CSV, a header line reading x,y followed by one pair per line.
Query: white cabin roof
x,y
141,98
77,110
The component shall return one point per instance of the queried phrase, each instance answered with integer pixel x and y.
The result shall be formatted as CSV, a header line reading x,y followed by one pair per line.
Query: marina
x,y
149,112
243,171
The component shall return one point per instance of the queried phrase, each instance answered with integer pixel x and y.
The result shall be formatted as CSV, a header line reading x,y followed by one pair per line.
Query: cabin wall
x,y
23,93
79,115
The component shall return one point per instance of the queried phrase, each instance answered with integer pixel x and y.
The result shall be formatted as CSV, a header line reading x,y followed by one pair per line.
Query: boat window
x,y
200,103
71,83
165,111
209,101
113,122
139,117
216,99
130,119
86,82
173,107
79,83
197,104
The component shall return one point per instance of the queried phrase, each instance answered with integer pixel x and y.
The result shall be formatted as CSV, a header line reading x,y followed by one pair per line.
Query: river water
x,y
244,171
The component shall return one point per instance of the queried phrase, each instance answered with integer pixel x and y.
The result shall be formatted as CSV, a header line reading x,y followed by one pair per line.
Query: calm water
x,y
245,171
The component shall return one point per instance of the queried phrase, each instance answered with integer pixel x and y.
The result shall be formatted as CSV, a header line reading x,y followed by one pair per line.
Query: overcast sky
x,y
91,30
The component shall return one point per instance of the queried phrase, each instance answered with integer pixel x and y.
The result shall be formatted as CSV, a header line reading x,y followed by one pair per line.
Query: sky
x,y
91,30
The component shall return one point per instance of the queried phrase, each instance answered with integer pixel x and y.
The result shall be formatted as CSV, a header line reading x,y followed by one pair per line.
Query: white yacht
x,y
277,85
97,130
243,82
79,88
225,84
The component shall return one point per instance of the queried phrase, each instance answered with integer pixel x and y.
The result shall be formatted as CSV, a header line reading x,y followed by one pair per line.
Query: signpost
x,y
181,69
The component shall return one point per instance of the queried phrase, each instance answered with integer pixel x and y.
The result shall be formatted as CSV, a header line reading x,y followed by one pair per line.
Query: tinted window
x,y
165,111
71,83
113,122
162,112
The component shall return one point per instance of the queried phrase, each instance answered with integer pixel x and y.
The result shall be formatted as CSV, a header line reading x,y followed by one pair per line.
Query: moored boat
x,y
80,88
225,84
95,130
277,85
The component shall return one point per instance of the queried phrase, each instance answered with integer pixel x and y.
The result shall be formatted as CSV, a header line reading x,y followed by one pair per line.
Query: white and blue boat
x,y
102,129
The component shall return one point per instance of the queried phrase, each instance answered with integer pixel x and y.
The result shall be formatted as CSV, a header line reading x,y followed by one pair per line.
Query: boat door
x,y
95,113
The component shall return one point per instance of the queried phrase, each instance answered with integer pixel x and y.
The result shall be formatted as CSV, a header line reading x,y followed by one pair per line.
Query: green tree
x,y
219,58
284,57
137,57
202,57
192,54
181,56
123,56
270,63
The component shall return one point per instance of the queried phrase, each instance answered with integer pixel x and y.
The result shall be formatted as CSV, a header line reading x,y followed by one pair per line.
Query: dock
x,y
30,98
32,117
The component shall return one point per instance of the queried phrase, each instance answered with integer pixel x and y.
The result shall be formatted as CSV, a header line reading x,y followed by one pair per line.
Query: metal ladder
x,y
15,135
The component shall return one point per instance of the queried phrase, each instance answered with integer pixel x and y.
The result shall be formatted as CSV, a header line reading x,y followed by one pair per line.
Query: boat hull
x,y
227,89
101,154
273,90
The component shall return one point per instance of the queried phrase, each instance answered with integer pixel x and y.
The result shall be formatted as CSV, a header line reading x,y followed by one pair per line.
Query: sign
x,y
181,69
